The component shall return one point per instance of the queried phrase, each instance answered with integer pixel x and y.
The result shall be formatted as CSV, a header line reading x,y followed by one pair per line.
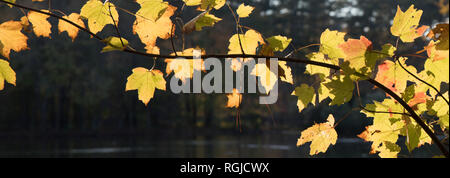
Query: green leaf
x,y
305,96
114,44
152,9
217,4
145,81
6,73
279,43
98,14
208,20
413,133
409,93
341,90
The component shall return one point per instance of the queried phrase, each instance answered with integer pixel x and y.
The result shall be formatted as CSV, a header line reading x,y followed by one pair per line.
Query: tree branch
x,y
294,60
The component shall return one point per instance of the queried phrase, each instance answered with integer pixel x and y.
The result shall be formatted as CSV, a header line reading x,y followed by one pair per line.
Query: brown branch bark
x,y
293,60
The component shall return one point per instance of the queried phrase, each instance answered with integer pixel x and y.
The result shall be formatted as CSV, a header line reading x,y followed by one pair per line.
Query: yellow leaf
x,y
250,42
244,10
329,44
98,14
11,38
114,44
71,30
41,26
6,73
152,9
406,24
148,31
184,68
267,78
234,99
285,73
321,136
145,81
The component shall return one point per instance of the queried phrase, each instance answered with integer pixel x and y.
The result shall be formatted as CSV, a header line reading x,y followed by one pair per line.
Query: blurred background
x,y
70,99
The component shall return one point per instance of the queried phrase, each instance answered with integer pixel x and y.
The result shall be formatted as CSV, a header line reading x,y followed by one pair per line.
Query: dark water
x,y
265,145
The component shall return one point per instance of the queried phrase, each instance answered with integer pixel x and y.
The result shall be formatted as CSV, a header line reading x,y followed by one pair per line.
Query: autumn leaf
x,y
435,54
11,38
305,96
285,72
318,70
341,90
244,10
11,1
152,9
145,81
41,26
266,77
114,44
208,20
355,51
395,78
71,30
250,42
184,68
234,99
321,136
98,15
148,31
406,24
329,44
279,43
6,73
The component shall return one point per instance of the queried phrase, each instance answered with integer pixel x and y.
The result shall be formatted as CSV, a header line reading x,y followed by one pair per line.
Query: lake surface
x,y
157,145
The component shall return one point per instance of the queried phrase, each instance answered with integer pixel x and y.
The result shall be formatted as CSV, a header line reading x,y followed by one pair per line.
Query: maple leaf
x,y
441,33
395,78
98,14
152,9
71,30
114,44
285,72
11,1
321,136
341,90
266,77
250,42
405,24
244,10
145,81
6,73
279,43
184,68
148,31
386,127
41,26
329,44
439,69
208,20
234,99
355,51
11,38
305,96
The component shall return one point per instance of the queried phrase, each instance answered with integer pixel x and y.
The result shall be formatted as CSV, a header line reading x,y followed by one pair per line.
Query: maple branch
x,y
115,26
293,60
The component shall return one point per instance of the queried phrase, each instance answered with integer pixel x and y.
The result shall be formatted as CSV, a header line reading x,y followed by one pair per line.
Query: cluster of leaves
x,y
356,58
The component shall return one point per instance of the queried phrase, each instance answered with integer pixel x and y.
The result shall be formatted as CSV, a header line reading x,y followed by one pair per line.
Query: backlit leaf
x,y
6,74
184,68
305,96
11,38
98,14
341,89
321,136
234,99
152,9
114,44
41,26
329,44
244,10
406,24
145,81
279,43
71,30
